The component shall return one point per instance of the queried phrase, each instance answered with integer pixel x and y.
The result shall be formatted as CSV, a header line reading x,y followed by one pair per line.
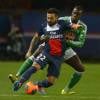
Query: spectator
x,y
4,30
16,36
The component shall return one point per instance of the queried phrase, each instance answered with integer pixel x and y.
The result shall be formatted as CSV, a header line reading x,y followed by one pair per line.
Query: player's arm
x,y
81,38
67,24
39,50
65,18
33,41
38,37
42,41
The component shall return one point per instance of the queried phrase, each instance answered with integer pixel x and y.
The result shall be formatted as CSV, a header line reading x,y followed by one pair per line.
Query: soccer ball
x,y
30,88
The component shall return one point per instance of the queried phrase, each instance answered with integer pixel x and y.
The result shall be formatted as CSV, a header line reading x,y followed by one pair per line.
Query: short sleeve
x,y
40,31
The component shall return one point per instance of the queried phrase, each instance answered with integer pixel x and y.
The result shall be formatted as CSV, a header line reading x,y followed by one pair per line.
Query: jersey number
x,y
41,57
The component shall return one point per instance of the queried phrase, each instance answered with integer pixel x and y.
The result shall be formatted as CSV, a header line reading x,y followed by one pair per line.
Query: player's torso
x,y
56,40
56,31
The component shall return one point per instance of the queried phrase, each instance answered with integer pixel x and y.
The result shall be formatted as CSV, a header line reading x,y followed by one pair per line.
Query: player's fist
x,y
44,38
70,36
75,26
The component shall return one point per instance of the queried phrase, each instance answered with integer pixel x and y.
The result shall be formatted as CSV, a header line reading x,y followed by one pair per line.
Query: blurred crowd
x,y
11,37
16,30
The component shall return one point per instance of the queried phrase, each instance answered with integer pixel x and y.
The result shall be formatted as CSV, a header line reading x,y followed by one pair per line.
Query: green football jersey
x,y
80,33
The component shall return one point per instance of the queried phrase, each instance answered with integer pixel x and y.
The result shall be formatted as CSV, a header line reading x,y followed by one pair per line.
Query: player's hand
x,y
28,54
44,38
75,26
70,36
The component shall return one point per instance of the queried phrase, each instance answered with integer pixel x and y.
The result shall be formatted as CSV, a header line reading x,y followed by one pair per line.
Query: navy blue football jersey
x,y
56,42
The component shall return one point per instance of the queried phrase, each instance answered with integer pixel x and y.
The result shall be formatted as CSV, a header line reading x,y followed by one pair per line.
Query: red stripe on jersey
x,y
55,47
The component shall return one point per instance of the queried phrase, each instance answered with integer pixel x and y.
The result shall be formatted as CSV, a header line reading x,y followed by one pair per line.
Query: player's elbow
x,y
81,45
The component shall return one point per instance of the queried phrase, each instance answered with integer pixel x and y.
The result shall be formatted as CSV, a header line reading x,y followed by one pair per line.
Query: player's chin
x,y
51,23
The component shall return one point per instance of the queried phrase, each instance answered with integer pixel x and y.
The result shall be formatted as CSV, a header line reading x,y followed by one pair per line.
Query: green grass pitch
x,y
87,89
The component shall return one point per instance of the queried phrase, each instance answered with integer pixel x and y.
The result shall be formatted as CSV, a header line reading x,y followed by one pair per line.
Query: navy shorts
x,y
54,63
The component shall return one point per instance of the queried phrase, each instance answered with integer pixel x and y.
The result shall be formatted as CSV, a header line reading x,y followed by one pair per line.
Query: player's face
x,y
52,18
76,14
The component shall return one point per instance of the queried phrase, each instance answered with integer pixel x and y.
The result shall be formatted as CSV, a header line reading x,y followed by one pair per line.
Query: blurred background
x,y
20,18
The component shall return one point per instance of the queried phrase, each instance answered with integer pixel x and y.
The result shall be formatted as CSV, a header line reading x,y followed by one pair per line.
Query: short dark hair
x,y
79,7
53,10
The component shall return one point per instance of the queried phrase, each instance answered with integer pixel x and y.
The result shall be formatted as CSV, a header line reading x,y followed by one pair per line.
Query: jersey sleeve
x,y
66,25
81,37
65,18
39,30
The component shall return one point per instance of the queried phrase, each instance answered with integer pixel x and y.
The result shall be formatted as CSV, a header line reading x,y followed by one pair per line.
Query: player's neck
x,y
74,20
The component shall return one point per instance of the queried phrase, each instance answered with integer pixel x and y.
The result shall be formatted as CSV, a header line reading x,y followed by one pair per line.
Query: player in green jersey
x,y
27,73
75,39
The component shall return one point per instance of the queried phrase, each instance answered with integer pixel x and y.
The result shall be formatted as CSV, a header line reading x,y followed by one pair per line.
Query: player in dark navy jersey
x,y
53,50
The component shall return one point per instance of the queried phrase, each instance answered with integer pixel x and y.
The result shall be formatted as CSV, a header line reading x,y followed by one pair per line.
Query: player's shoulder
x,y
43,24
83,24
64,18
61,22
41,29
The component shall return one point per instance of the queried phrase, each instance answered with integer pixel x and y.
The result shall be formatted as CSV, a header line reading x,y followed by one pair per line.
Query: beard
x,y
74,19
51,24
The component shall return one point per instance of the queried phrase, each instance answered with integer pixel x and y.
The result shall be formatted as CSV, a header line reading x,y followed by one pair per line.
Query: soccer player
x,y
30,57
53,50
76,38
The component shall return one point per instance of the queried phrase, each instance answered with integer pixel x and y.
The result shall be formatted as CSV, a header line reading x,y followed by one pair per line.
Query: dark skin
x,y
76,14
75,61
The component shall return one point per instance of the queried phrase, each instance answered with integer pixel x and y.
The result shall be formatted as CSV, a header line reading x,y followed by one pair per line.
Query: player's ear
x,y
57,17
